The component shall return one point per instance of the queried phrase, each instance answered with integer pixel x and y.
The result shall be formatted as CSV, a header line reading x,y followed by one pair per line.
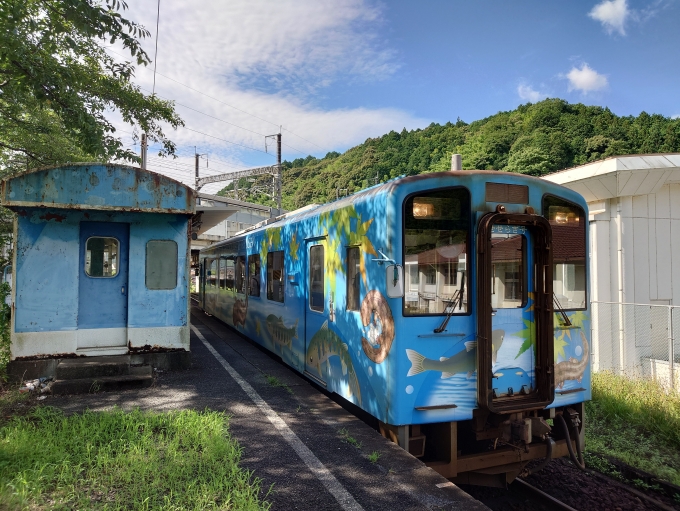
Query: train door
x,y
317,348
103,285
515,342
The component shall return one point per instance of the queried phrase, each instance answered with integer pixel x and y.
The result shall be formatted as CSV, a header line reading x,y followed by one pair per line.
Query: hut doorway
x,y
103,285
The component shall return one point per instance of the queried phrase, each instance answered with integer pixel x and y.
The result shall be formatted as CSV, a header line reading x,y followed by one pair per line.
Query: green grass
x,y
344,433
637,422
374,457
275,382
116,460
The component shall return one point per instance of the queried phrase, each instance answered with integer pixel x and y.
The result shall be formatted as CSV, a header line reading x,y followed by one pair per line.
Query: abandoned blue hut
x,y
101,261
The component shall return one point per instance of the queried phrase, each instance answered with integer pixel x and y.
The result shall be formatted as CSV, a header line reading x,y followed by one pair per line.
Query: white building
x,y
634,217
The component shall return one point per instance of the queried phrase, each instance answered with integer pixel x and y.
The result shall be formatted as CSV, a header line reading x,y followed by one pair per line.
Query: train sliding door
x,y
515,342
317,345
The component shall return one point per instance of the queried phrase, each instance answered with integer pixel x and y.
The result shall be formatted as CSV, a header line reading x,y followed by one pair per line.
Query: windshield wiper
x,y
558,306
456,299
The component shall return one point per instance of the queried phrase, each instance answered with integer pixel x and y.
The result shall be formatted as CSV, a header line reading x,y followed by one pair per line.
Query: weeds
x,y
117,460
5,340
275,382
374,457
344,433
636,421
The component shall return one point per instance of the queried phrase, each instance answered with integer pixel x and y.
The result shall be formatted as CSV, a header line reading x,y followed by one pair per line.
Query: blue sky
x,y
335,72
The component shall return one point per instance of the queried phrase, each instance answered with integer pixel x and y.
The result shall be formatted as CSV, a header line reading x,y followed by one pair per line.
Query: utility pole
x,y
278,175
144,147
196,156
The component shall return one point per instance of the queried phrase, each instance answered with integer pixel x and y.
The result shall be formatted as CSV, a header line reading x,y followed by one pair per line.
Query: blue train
x,y
451,306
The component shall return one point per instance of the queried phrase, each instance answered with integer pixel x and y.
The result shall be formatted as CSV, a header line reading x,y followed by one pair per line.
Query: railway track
x,y
551,501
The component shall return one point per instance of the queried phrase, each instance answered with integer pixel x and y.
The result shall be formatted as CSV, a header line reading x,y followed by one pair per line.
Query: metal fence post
x,y
671,340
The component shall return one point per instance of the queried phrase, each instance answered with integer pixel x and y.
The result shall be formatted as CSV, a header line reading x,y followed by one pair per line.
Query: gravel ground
x,y
581,490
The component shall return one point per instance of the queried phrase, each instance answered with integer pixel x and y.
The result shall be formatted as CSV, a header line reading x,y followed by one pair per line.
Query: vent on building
x,y
510,194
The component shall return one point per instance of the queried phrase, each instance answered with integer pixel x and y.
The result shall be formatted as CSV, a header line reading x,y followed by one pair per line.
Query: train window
x,y
101,257
275,276
508,256
436,232
353,276
316,278
254,275
240,275
212,276
222,271
161,264
568,222
229,272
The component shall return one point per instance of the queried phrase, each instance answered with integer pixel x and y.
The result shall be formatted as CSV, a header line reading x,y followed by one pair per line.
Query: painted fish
x,y
497,337
462,362
240,311
573,369
281,334
326,344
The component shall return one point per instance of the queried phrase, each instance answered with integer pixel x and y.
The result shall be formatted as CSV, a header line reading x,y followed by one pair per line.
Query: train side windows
x,y
229,272
316,278
353,276
254,275
212,278
275,276
568,223
101,257
240,276
161,264
436,251
222,278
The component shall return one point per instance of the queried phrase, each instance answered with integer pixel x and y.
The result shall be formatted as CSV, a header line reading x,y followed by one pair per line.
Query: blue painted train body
x,y
501,256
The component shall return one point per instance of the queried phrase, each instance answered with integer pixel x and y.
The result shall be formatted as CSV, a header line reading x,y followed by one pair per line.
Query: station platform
x,y
316,454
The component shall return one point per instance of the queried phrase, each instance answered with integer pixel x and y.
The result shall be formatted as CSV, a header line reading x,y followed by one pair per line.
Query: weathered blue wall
x,y
98,186
47,268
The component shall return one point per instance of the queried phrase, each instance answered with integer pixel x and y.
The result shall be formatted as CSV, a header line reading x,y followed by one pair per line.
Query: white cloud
x,y
676,116
527,93
612,14
273,60
586,79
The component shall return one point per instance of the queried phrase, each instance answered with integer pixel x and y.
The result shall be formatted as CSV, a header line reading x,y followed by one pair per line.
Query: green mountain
x,y
534,139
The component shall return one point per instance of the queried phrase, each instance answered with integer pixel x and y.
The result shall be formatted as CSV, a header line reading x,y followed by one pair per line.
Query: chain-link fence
x,y
639,341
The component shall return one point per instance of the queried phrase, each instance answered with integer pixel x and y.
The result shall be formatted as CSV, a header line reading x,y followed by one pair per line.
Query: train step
x,y
96,374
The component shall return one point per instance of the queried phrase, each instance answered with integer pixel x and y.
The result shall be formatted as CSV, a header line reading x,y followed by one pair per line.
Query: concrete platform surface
x,y
291,440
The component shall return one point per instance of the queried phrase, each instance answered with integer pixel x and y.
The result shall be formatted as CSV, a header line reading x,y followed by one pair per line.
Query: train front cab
x,y
516,251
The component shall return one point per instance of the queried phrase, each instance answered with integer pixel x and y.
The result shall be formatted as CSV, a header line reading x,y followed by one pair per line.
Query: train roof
x,y
382,188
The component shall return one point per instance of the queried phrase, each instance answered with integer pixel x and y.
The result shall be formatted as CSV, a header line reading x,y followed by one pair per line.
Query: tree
x,y
57,83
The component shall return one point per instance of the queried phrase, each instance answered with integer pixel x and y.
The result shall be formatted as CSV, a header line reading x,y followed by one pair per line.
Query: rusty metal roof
x,y
97,186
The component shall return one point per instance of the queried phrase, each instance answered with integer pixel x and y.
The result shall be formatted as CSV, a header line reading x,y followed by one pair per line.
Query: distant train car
x,y
451,306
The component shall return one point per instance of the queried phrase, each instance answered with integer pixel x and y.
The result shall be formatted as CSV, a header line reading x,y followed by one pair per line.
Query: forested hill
x,y
534,139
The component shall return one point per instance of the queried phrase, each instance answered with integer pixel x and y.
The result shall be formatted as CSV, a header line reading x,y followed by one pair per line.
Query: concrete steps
x,y
97,374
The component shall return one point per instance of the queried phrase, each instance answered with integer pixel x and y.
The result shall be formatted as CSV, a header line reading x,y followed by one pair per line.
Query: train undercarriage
x,y
493,449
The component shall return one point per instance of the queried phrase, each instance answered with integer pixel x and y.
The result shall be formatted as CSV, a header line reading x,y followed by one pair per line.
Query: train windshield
x,y
436,251
568,223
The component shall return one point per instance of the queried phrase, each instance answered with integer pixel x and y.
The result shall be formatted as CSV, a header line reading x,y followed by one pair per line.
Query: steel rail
x,y
553,501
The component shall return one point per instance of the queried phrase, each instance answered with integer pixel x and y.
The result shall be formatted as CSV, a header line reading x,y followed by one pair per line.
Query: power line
x,y
227,141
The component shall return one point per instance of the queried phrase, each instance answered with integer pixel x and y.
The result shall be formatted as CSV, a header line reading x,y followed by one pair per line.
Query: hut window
x,y
275,276
161,264
101,257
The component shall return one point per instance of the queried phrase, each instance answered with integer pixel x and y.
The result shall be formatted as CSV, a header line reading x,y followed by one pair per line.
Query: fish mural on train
x,y
464,361
376,311
240,312
573,369
326,344
281,334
